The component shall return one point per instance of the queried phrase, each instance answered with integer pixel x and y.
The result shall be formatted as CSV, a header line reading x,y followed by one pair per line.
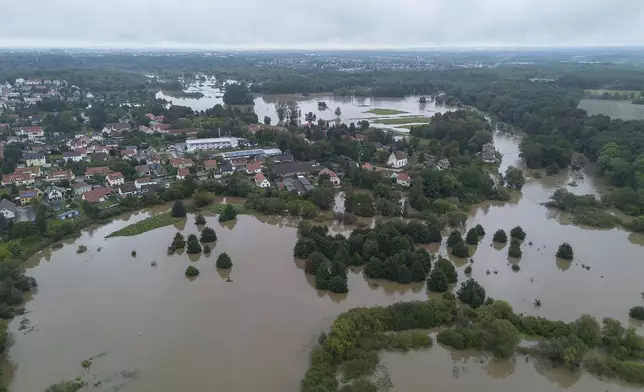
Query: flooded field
x,y
151,329
624,110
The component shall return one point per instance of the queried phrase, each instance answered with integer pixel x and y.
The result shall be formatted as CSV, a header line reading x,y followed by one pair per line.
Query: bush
x,y
515,249
81,249
472,237
200,220
454,237
518,233
468,269
208,235
500,236
229,213
565,251
178,210
637,312
193,245
192,271
471,293
224,261
480,230
202,199
133,253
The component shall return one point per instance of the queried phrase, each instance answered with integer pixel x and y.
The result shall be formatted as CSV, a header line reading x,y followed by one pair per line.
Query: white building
x,y
115,179
398,159
211,143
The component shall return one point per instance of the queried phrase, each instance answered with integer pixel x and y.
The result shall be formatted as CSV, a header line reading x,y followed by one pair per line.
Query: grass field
x,y
385,112
402,120
147,224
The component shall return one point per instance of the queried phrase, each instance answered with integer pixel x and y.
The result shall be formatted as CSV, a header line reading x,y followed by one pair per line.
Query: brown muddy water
x,y
154,330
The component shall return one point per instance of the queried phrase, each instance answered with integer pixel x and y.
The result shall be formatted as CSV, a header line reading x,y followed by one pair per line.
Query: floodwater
x,y
353,108
155,330
624,110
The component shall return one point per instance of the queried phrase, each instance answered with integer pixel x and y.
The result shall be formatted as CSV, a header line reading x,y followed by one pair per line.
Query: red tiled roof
x,y
102,170
115,176
253,166
96,194
259,178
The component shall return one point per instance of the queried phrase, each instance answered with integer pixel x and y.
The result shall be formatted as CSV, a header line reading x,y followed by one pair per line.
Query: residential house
x,y
17,179
210,164
299,168
128,189
161,128
335,180
145,181
97,171
103,149
225,170
128,153
443,164
153,159
398,159
33,171
181,162
115,179
367,166
8,210
116,127
32,133
142,170
283,158
158,170
403,179
73,156
60,175
190,133
238,162
68,214
80,188
261,181
111,143
97,195
488,153
27,195
34,159
54,193
100,157
182,173
254,168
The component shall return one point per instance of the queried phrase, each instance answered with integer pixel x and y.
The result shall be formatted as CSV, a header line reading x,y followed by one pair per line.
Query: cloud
x,y
320,24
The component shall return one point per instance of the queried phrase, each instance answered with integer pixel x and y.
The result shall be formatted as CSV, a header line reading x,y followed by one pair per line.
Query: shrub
x,y
192,271
500,236
178,210
515,249
202,199
454,237
480,230
515,267
460,250
133,253
229,213
178,242
518,233
468,269
206,249
208,235
81,249
637,312
193,245
224,261
565,251
200,220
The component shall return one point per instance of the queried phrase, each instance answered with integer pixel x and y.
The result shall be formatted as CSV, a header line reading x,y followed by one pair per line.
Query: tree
x,y
514,178
178,242
322,277
229,213
323,197
471,293
193,245
515,249
208,235
224,261
202,199
200,220
41,220
565,251
460,250
454,237
472,237
237,94
500,236
437,281
178,210
434,234
267,120
336,284
518,233
338,111
480,231
448,268
637,312
280,110
192,271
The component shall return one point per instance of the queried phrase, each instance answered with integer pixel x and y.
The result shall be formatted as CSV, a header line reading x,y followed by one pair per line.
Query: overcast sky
x,y
319,24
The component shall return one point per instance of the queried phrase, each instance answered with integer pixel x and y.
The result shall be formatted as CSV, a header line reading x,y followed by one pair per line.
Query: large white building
x,y
211,143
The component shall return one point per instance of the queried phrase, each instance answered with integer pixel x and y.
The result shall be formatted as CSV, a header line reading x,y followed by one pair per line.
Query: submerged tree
x,y
514,178
565,251
224,261
208,235
480,231
179,242
192,271
637,312
471,293
229,213
193,245
500,236
518,233
515,249
200,220
460,250
178,210
454,237
472,236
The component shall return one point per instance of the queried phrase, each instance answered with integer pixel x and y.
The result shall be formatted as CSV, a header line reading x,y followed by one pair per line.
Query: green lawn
x,y
147,224
219,208
385,112
402,120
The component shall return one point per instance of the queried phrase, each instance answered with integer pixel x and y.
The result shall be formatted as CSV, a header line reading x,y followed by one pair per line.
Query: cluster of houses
x,y
28,91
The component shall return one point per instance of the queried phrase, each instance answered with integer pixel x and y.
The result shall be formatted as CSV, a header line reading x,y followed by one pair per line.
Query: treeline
x,y
458,131
356,336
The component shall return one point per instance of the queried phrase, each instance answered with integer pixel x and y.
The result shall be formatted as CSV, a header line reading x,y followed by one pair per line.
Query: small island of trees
x,y
565,251
229,213
193,245
192,271
178,243
518,233
178,210
500,236
208,235
471,293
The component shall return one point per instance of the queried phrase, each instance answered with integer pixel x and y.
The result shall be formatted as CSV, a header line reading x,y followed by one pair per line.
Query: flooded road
x,y
161,332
